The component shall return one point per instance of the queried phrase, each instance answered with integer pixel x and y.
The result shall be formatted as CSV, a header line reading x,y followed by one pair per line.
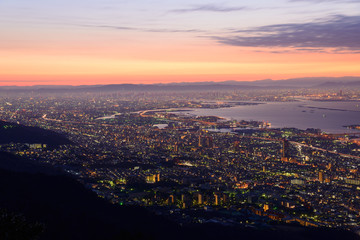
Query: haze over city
x,y
108,42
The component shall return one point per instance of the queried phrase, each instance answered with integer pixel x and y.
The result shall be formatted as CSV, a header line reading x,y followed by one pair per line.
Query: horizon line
x,y
168,83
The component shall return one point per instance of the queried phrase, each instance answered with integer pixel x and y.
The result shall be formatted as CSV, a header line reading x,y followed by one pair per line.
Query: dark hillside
x,y
15,133
69,211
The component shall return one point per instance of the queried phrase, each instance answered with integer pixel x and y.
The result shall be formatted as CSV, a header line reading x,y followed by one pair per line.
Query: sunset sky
x,y
77,42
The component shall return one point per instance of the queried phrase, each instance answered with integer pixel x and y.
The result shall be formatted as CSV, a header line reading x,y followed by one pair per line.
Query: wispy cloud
x,y
209,8
155,30
112,27
164,30
340,33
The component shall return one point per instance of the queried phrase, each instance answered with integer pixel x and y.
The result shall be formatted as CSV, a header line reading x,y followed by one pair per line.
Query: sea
x,y
329,116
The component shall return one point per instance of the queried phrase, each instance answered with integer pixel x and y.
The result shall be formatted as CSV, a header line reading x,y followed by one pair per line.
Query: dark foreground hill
x,y
58,207
69,211
16,133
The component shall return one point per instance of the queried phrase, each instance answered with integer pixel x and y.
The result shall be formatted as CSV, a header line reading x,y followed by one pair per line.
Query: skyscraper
x,y
284,151
321,176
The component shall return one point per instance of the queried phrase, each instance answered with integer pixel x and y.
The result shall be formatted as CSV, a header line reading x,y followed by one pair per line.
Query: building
x,y
297,182
200,199
216,199
321,176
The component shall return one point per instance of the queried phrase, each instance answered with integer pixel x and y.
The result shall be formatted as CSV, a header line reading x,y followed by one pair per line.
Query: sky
x,y
84,42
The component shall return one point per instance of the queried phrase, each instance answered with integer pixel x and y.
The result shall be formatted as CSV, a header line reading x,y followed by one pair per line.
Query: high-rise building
x,y
321,176
183,197
224,198
200,198
216,199
171,199
284,151
151,178
200,141
329,167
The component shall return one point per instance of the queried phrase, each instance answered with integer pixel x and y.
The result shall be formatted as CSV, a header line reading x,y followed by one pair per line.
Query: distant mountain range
x,y
312,82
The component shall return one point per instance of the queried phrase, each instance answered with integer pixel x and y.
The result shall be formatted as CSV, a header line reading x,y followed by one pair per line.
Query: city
x,y
150,151
192,119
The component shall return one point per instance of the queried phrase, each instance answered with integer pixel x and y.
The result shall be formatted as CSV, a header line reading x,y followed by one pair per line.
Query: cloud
x,y
164,30
113,27
340,33
155,30
209,8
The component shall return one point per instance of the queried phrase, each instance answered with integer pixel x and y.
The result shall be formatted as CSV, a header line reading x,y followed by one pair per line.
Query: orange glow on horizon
x,y
166,64
108,79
